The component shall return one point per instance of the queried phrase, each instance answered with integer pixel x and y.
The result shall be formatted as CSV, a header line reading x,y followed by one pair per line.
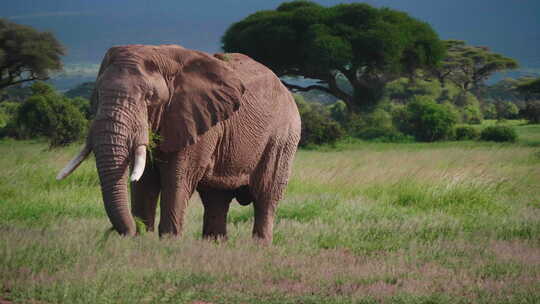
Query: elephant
x,y
223,125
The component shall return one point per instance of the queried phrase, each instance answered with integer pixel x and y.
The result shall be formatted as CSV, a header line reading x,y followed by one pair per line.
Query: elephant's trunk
x,y
119,139
112,166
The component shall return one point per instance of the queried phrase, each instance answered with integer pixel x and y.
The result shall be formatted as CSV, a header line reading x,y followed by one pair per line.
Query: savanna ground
x,y
451,222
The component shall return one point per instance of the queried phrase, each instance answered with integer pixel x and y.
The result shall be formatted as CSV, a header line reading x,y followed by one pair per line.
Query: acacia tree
x,y
26,54
530,88
367,46
469,66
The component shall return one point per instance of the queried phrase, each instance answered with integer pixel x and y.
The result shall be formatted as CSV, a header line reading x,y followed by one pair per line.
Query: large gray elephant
x,y
223,125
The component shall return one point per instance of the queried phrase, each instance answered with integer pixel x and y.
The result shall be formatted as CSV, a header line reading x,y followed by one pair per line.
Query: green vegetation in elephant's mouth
x,y
154,139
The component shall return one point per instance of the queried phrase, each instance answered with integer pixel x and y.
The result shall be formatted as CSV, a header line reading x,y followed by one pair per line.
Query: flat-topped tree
x,y
27,54
530,88
469,66
368,46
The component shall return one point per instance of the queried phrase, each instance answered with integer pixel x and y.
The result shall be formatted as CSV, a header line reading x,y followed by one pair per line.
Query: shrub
x,y
83,105
454,110
466,133
531,112
8,112
375,126
51,115
317,126
71,125
318,129
425,120
490,111
338,112
358,123
8,118
506,110
472,114
499,134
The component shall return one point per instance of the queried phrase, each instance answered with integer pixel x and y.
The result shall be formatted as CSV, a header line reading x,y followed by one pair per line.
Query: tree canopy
x,y
469,66
26,54
367,46
530,88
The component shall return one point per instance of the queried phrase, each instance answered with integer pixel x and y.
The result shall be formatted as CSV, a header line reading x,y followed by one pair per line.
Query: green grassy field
x,y
451,222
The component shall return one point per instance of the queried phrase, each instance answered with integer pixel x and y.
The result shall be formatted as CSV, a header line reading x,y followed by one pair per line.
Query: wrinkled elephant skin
x,y
223,125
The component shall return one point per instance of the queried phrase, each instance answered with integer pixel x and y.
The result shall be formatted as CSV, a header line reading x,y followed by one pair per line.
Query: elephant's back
x,y
263,90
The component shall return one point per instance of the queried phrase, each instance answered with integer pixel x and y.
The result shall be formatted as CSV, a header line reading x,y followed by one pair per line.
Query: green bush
x,y
8,118
506,110
338,112
318,129
499,134
454,110
472,114
71,125
490,111
375,126
8,112
466,133
83,105
317,126
531,112
51,115
425,120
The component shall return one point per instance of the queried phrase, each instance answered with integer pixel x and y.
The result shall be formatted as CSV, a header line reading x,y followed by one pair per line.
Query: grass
x,y
451,222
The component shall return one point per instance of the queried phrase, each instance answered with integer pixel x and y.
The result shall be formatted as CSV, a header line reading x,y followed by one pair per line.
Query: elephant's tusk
x,y
74,163
140,163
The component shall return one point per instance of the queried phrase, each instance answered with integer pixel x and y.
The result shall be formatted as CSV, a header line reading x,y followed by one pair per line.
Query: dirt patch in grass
x,y
516,251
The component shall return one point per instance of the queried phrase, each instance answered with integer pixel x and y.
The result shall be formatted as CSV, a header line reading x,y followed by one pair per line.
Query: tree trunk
x,y
367,97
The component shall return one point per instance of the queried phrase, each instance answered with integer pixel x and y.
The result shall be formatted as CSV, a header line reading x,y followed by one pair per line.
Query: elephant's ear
x,y
206,92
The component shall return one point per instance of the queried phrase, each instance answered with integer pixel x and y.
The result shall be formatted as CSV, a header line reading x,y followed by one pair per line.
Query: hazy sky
x,y
89,27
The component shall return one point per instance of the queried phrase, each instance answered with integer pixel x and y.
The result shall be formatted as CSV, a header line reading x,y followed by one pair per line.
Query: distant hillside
x,y
82,90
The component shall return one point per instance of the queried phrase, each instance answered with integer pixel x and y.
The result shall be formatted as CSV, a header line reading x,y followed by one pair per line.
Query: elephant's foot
x,y
214,228
169,231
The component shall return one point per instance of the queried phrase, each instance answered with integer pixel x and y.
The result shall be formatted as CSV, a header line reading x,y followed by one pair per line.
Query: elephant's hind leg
x,y
269,182
144,197
263,225
216,206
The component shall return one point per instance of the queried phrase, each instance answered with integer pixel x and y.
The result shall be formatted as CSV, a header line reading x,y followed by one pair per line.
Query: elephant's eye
x,y
149,95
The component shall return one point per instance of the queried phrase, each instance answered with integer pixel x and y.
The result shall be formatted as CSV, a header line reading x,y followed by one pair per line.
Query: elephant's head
x,y
174,92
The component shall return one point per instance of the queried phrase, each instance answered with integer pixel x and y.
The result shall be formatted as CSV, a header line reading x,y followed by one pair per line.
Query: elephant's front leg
x,y
144,196
216,206
177,186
